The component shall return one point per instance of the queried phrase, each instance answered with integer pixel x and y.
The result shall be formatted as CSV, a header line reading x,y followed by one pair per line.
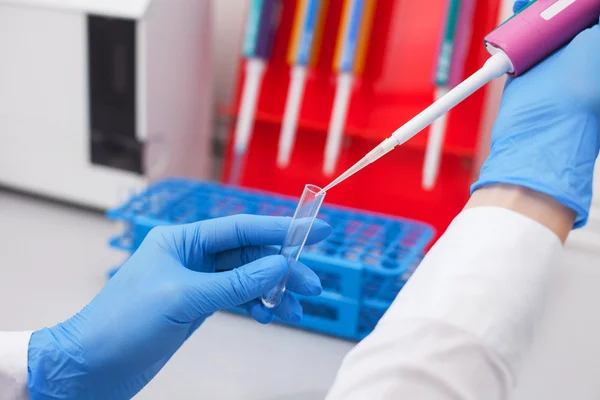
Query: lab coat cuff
x,y
487,276
13,365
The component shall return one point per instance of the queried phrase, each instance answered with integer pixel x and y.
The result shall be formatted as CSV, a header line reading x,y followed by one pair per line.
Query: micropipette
x,y
449,68
307,28
524,40
357,17
262,22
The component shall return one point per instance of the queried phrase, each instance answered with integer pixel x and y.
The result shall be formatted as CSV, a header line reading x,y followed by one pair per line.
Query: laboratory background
x,y
117,116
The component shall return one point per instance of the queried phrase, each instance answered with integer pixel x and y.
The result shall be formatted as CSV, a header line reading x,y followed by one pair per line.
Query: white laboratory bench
x,y
53,260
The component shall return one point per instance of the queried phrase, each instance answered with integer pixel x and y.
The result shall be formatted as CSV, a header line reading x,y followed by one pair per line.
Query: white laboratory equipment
x,y
99,96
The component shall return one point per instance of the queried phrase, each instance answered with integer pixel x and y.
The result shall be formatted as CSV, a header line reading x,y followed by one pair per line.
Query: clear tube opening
x,y
304,217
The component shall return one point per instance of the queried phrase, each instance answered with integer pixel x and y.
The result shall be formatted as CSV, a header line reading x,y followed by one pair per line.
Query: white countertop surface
x,y
54,258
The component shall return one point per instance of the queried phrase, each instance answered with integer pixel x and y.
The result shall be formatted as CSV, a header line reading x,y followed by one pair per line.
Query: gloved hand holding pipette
x,y
547,136
546,24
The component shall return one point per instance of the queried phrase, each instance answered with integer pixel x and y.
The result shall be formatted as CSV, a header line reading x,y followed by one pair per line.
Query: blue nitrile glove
x,y
519,4
547,134
114,346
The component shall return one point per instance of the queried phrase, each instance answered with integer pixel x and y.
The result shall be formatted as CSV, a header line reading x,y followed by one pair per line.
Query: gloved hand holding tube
x,y
179,277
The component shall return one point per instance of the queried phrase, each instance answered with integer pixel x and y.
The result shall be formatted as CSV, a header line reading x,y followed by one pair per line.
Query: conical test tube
x,y
304,217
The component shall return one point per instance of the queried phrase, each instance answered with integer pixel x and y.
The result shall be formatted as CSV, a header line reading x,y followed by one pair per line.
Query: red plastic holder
x,y
395,86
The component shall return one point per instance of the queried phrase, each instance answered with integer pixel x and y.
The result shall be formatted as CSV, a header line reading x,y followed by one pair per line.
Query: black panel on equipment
x,y
111,68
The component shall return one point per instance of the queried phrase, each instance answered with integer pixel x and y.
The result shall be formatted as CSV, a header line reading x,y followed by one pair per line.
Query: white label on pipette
x,y
556,9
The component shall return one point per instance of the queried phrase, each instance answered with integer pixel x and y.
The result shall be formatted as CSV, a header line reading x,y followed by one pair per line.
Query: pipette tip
x,y
382,149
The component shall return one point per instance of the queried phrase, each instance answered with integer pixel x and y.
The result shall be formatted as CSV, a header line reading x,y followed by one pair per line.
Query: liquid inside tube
x,y
295,239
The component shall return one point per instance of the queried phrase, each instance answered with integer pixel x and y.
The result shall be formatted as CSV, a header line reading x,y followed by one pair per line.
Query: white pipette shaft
x,y
255,68
495,67
290,117
433,153
338,122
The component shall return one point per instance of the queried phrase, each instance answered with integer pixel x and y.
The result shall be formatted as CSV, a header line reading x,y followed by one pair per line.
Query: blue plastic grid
x,y
362,265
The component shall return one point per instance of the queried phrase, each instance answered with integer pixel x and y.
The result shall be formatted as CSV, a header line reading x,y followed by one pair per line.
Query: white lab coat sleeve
x,y
13,365
460,327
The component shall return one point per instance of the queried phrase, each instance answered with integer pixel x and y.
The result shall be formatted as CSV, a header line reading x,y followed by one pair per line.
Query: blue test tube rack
x,y
363,264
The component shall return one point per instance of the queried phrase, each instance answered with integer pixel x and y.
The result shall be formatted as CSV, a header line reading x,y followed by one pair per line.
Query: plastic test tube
x,y
306,35
261,25
349,60
304,216
449,70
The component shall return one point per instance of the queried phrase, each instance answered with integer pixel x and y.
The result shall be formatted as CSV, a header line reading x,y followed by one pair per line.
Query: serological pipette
x,y
448,72
261,25
304,45
516,46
